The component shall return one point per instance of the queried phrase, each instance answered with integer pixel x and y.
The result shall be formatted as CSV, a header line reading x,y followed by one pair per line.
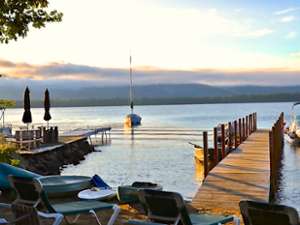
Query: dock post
x,y
250,123
282,129
240,131
252,116
271,147
216,149
243,129
255,121
235,134
247,126
205,153
230,136
223,141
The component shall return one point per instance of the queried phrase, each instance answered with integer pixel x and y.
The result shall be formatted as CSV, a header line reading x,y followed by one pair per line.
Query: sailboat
x,y
132,119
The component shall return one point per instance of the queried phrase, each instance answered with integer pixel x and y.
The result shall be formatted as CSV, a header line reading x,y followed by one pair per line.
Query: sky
x,y
214,42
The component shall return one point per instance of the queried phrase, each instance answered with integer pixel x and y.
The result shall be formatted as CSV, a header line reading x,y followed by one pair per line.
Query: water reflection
x,y
129,132
156,151
289,188
160,155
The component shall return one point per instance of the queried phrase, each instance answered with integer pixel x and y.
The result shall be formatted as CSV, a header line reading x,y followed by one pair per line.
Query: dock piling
x,y
223,141
216,150
276,142
205,155
235,135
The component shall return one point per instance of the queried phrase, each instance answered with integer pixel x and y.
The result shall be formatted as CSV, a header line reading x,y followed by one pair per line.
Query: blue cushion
x,y
98,182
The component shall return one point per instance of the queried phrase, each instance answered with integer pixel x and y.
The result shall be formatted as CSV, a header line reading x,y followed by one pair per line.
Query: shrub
x,y
8,152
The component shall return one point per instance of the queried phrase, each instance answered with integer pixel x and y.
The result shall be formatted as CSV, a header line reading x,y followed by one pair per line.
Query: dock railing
x,y
276,143
227,137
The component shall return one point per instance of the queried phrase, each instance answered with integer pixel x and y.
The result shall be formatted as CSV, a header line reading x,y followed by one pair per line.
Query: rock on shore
x,y
51,162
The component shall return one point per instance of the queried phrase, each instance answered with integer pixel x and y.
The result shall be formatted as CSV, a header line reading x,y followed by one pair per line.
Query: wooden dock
x,y
243,174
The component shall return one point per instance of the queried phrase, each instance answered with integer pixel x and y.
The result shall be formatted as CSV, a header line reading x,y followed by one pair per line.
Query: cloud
x,y
295,54
287,19
158,34
256,33
6,64
291,35
285,11
67,74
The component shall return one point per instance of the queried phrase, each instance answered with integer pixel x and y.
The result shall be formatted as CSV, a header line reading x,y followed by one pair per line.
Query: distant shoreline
x,y
167,101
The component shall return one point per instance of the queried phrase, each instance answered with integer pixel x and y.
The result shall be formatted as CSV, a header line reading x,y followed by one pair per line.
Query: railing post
x,y
255,121
216,149
235,135
230,136
223,141
271,151
243,129
251,123
240,131
247,126
205,153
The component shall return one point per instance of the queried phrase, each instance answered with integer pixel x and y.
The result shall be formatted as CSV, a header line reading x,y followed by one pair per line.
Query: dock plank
x,y
243,174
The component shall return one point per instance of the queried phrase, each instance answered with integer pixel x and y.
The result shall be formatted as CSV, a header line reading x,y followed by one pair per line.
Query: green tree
x,y
5,103
16,16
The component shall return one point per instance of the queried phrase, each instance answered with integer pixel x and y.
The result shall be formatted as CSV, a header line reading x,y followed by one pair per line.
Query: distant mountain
x,y
262,90
149,94
144,91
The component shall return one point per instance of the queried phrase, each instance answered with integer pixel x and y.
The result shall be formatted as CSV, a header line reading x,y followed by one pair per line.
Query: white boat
x,y
293,131
132,119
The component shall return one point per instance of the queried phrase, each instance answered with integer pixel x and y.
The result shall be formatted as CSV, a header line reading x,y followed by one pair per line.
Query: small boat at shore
x,y
199,153
132,119
293,131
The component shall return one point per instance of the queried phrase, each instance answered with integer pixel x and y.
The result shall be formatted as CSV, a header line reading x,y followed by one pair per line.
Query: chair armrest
x,y
4,205
56,216
3,221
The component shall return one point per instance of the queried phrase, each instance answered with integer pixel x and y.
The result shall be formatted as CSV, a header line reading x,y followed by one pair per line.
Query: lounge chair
x,y
25,214
258,213
30,191
6,170
128,194
169,208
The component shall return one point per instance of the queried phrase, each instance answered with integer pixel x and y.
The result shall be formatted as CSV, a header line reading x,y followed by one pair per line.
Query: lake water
x,y
159,150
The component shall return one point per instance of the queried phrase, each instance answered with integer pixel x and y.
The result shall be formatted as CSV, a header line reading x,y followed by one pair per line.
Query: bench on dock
x,y
28,139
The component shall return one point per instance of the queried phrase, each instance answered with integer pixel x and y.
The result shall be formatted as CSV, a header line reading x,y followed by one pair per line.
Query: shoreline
x,y
51,162
149,102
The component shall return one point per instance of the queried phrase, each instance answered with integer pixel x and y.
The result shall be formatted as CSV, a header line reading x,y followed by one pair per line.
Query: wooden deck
x,y
46,148
243,174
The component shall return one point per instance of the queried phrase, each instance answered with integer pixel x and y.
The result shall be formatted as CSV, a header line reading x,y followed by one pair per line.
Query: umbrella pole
x,y
27,135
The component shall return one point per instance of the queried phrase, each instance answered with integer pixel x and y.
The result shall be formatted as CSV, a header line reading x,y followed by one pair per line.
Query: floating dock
x,y
103,131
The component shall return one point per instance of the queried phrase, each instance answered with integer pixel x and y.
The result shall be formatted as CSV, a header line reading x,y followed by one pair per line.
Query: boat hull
x,y
132,120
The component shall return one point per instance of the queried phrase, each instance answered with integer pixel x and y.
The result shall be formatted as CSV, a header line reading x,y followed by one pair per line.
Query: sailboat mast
x,y
131,88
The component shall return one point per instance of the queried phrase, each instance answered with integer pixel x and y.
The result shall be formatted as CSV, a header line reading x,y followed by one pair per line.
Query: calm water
x,y
159,150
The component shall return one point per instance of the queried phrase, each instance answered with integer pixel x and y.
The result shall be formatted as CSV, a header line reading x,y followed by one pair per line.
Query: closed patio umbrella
x,y
47,105
27,119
